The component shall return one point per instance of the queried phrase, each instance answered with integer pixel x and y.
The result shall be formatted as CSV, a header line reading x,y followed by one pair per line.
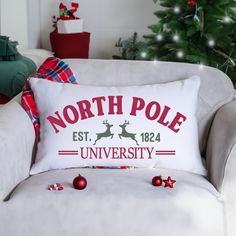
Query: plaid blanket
x,y
52,69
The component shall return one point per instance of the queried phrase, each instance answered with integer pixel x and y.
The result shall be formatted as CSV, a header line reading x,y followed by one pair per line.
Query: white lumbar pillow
x,y
139,126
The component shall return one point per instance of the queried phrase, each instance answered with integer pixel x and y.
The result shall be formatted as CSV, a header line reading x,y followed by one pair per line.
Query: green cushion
x,y
13,75
8,50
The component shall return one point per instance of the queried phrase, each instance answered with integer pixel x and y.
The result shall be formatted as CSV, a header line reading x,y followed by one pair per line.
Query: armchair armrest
x,y
17,139
221,147
221,160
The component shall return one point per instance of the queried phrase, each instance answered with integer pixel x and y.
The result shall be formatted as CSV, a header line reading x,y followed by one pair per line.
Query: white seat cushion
x,y
115,202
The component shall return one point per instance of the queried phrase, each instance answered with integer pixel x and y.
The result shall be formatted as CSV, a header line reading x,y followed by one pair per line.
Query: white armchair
x,y
123,202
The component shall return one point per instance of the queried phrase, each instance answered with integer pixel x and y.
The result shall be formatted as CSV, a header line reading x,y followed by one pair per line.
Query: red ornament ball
x,y
79,182
157,181
191,3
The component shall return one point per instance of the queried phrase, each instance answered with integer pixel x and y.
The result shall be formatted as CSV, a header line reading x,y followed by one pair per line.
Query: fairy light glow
x,y
155,61
176,37
176,9
226,19
159,37
143,54
180,54
201,66
211,43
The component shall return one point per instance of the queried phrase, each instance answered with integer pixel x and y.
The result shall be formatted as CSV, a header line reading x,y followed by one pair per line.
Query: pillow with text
x,y
145,126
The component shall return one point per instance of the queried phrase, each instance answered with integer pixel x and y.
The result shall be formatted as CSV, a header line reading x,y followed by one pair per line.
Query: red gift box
x,y
70,45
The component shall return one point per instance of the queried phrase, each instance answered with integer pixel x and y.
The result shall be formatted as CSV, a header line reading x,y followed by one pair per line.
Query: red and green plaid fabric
x,y
52,69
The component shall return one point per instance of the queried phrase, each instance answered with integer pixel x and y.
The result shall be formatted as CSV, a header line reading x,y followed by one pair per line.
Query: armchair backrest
x,y
216,88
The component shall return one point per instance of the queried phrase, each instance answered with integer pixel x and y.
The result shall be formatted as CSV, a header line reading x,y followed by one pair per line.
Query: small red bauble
x,y
79,182
191,3
157,181
169,182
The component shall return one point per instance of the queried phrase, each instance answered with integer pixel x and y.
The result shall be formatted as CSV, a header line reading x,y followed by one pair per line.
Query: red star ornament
x,y
169,182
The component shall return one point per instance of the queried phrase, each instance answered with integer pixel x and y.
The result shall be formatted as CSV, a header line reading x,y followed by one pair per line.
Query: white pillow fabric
x,y
139,126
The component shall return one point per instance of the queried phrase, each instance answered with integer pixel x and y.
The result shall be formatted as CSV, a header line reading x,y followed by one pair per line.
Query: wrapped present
x,y
70,26
67,22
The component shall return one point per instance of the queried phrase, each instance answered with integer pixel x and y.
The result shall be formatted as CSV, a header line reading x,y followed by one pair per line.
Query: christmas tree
x,y
130,49
195,31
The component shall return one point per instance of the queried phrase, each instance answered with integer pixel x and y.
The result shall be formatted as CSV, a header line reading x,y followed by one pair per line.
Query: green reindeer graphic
x,y
126,134
105,134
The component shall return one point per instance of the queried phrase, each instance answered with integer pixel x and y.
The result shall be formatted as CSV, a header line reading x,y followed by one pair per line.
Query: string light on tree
x,y
205,35
143,54
176,9
180,54
211,43
159,37
176,37
226,19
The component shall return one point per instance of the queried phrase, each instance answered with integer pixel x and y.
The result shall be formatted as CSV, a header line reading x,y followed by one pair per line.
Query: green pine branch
x,y
201,34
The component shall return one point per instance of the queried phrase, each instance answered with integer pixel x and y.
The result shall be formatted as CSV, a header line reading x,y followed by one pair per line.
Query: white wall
x,y
30,21
106,20
33,10
14,21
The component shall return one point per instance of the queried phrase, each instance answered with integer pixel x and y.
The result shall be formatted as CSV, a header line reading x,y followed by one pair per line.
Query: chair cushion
x,y
115,202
